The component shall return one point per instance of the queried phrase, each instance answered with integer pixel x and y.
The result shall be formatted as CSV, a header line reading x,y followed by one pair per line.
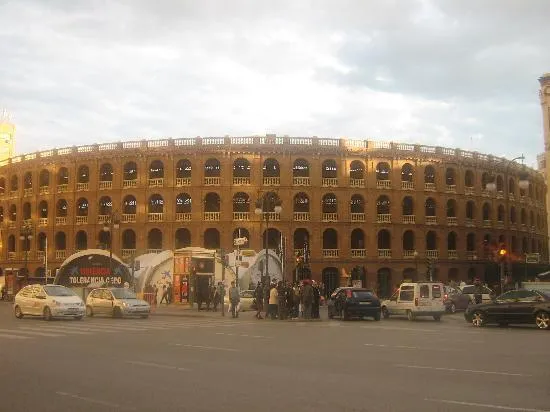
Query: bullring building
x,y
385,211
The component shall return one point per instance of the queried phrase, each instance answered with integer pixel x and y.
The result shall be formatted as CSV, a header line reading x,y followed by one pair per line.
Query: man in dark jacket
x,y
259,297
307,298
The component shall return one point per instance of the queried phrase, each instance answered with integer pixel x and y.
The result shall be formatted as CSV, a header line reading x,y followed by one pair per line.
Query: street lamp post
x,y
264,206
112,222
26,236
416,263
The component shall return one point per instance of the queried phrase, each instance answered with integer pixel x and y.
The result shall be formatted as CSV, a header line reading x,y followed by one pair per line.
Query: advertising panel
x,y
93,270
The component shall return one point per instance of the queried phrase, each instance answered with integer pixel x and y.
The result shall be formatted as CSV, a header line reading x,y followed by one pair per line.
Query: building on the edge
x,y
7,136
543,159
380,211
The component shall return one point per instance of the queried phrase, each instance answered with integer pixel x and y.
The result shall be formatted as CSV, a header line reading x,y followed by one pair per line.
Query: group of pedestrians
x,y
279,300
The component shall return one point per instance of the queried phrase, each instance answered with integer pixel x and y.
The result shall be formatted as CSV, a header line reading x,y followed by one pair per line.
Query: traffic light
x,y
502,252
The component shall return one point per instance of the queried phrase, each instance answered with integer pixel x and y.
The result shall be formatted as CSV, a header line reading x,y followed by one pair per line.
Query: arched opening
x,y
511,186
450,177
1,214
408,206
523,217
60,241
357,204
242,232
155,204
384,283
104,239
383,171
241,168
500,184
129,205
301,203
154,240
451,241
241,202
301,237
271,168
83,174
183,203
329,169
500,213
357,239
106,172
156,170
383,205
429,175
129,239
212,202
2,185
451,208
330,239
471,242
330,203
330,279
81,240
41,241
470,209
408,241
61,208
63,176
357,170
300,168
13,213
43,209
486,211
407,173
273,239
469,180
431,240
130,171
11,243
183,169
212,168
14,183
44,178
105,206
384,240
82,207
211,238
27,181
26,211
430,207
182,238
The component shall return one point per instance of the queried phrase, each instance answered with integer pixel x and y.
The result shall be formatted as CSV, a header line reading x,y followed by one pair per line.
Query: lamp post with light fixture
x,y
26,235
267,204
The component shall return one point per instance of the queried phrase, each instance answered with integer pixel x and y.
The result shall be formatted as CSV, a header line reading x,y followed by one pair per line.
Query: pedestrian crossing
x,y
38,329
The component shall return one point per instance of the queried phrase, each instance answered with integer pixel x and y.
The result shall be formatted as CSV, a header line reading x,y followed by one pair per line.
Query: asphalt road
x,y
171,363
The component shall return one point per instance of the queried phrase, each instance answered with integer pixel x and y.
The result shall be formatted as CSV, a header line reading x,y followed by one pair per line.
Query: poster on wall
x,y
358,283
93,270
176,290
185,288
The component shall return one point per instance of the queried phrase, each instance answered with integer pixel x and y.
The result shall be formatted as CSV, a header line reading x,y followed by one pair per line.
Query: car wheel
x,y
437,318
18,312
47,313
542,320
478,319
453,308
117,312
377,316
385,312
89,311
78,317
410,315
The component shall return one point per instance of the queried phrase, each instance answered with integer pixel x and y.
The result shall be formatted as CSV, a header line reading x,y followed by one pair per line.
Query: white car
x,y
116,302
470,289
48,301
416,299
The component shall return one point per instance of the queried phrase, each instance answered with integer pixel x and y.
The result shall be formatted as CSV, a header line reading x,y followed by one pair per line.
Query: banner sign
x,y
93,271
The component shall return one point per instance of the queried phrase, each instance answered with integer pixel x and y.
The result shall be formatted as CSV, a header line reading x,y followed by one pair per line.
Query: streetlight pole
x,y
112,223
26,236
263,209
416,263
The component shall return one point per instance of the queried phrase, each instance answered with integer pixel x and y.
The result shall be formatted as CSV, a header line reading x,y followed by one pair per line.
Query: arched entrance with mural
x,y
329,278
384,283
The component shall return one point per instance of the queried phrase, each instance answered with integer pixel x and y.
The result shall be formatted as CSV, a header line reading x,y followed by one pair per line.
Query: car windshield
x,y
58,291
362,294
123,294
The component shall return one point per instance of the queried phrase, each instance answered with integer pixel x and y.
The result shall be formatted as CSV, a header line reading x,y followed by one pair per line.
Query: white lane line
x,y
486,405
157,365
96,401
55,329
205,347
9,336
31,332
243,335
462,370
411,347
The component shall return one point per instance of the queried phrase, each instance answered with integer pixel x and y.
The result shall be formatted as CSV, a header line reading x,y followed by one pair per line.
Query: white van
x,y
416,299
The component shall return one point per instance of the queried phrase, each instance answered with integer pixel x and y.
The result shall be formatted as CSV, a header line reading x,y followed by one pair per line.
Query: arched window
x,y
451,208
523,217
212,202
129,205
486,211
183,203
156,170
383,171
41,241
241,168
183,169
511,186
384,239
357,170
301,203
450,177
61,208
211,239
330,239
2,185
500,184
471,242
182,238
154,240
81,240
130,171
105,206
129,239
357,239
383,205
212,168
1,214
407,173
106,172
430,207
82,207
500,213
14,183
271,168
43,209
155,204
357,204
63,176
329,169
431,240
451,241
11,243
300,168
241,232
409,240
241,202
27,181
26,211
330,203
470,209
83,174
408,206
469,179
60,241
485,178
13,213
429,175
531,219
44,178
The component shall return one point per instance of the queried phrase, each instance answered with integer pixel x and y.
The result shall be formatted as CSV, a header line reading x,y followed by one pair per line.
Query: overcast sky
x,y
455,73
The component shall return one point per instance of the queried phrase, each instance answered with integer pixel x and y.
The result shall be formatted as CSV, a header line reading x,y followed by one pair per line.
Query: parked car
x,y
116,302
350,302
469,290
416,299
513,307
454,299
48,301
248,302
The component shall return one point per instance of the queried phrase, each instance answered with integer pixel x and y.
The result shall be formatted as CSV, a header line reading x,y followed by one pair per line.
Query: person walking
x,y
164,295
273,301
307,298
221,295
259,297
234,299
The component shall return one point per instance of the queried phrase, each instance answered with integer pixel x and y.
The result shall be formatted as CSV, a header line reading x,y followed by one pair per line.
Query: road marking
x,y
205,347
243,335
9,336
157,365
486,405
57,329
461,370
96,401
411,347
31,332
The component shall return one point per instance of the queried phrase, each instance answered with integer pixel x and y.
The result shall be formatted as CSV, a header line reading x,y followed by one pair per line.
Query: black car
x,y
515,306
351,302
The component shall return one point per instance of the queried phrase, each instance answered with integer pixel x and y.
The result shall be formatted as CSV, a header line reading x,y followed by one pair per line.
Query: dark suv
x,y
350,302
